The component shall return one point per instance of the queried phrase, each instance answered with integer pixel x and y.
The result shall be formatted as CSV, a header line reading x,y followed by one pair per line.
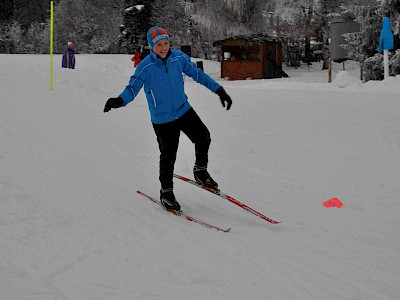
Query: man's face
x,y
161,48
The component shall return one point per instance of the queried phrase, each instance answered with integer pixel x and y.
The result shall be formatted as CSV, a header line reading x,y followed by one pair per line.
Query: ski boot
x,y
203,178
167,199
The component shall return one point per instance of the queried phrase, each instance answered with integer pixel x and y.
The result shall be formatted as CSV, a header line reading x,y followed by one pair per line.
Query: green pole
x,y
51,43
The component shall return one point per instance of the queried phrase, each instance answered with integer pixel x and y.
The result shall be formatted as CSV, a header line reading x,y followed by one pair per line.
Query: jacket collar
x,y
155,57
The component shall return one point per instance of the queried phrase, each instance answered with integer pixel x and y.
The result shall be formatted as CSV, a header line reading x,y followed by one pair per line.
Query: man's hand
x,y
224,97
113,103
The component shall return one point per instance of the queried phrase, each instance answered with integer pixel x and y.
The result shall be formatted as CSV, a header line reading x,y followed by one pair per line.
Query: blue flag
x,y
386,41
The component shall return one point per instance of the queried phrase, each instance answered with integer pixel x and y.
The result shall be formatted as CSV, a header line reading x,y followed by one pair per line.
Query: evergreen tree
x,y
171,16
136,22
6,11
391,9
36,38
227,17
14,33
91,24
212,20
25,11
363,44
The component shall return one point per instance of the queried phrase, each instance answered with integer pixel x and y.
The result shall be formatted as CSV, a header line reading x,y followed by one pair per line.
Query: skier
x,y
161,75
68,58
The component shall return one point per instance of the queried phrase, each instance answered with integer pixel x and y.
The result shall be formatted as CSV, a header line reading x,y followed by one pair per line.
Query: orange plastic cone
x,y
334,202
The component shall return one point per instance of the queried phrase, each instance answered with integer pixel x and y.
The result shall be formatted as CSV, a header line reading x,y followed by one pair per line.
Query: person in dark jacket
x,y
161,75
68,59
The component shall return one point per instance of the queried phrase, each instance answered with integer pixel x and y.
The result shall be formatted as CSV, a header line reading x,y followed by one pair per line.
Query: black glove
x,y
224,97
113,103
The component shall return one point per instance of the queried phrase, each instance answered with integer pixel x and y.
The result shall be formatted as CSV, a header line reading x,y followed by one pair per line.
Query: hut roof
x,y
253,38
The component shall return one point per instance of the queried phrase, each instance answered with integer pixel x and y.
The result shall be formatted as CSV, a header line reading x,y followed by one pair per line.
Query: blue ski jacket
x,y
68,59
164,85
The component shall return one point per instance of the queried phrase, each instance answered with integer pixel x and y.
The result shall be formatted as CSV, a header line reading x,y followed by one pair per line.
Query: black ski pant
x,y
168,141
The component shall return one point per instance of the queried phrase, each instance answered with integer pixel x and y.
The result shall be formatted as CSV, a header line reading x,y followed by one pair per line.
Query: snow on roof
x,y
138,7
256,38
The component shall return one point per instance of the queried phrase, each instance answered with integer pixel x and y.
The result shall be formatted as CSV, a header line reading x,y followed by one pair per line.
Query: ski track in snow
x,y
72,226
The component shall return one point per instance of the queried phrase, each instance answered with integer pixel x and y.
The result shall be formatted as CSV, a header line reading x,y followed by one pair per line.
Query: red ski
x,y
181,214
229,198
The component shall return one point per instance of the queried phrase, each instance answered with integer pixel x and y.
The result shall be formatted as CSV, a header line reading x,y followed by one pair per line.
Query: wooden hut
x,y
251,56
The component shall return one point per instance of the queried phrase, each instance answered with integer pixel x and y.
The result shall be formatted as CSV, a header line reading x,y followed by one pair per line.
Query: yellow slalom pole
x,y
51,43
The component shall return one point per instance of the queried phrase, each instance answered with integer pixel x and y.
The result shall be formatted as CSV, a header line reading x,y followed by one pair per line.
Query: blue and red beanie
x,y
156,34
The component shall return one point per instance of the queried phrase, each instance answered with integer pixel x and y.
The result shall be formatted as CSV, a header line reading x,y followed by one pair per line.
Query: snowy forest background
x,y
118,26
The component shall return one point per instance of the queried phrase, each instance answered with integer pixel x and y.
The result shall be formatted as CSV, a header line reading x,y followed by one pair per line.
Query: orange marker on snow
x,y
334,202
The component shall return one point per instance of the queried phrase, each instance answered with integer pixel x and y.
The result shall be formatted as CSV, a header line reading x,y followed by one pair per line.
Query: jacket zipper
x,y
171,90
154,98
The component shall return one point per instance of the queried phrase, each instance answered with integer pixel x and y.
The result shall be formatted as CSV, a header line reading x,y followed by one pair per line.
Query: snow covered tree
x,y
24,26
12,37
373,68
213,20
171,16
391,9
6,11
26,11
394,64
37,38
92,25
363,44
136,22
226,17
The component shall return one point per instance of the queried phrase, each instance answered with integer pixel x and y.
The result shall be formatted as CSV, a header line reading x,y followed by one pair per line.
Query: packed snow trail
x,y
72,227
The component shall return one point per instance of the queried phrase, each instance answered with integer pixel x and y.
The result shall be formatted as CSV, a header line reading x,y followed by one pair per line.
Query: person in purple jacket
x,y
161,75
68,59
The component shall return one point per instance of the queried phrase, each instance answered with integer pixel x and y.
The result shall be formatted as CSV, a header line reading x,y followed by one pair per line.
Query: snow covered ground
x,y
72,226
